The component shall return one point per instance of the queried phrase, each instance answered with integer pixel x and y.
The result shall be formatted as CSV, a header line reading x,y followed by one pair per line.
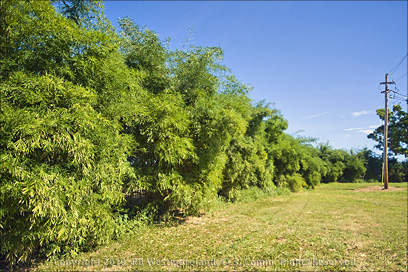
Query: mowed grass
x,y
331,228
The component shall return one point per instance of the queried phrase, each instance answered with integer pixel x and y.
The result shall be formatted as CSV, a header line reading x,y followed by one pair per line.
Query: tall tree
x,y
397,131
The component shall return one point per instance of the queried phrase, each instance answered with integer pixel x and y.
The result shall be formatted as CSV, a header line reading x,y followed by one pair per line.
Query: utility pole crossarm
x,y
392,82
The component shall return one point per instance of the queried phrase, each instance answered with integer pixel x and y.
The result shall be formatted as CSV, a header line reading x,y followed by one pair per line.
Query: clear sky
x,y
319,62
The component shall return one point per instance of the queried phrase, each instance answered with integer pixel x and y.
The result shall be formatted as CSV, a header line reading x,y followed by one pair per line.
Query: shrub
x,y
61,168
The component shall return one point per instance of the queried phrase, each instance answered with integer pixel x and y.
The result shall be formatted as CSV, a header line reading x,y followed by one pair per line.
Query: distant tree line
x,y
99,129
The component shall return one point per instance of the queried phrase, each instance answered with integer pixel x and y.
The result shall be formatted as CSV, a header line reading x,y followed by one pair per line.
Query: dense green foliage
x,y
397,131
99,127
397,146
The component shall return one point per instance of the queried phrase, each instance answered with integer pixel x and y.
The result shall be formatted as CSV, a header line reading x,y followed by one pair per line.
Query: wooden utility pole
x,y
385,157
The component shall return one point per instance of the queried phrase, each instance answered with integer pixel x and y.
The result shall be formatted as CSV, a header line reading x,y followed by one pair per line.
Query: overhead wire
x,y
396,96
399,98
392,104
401,95
396,90
398,65
401,77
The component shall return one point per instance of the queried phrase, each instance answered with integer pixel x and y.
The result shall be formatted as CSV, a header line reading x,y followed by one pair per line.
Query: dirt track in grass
x,y
379,189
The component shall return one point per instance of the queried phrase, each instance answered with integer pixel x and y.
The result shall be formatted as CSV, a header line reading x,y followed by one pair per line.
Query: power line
x,y
396,67
396,91
396,95
401,77
398,99
402,96
396,102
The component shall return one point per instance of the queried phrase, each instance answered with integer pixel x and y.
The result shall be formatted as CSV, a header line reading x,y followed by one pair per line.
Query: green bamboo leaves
x,y
61,167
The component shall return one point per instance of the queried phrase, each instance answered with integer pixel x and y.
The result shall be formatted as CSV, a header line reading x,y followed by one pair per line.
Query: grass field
x,y
333,227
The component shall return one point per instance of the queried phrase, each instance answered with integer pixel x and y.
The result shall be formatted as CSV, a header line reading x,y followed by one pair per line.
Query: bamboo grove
x,y
99,128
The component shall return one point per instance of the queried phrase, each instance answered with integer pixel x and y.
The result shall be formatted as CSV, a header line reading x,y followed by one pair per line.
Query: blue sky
x,y
319,62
